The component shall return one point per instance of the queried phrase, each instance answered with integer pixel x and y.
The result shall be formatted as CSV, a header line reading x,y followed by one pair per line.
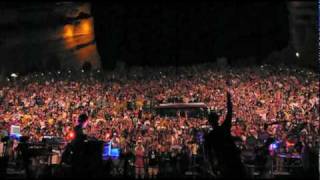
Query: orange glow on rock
x,y
68,31
86,27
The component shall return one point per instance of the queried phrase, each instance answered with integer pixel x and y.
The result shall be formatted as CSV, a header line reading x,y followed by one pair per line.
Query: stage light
x,y
14,75
273,146
59,72
42,74
71,135
289,144
98,71
69,71
82,71
297,54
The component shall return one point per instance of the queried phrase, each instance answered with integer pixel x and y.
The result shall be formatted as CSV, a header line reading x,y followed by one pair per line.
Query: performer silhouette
x,y
223,154
74,154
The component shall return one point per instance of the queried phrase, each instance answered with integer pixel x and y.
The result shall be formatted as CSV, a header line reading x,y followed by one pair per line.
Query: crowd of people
x,y
281,103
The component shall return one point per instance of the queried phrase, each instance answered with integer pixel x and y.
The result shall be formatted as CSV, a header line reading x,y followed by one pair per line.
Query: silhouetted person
x,y
263,159
126,155
23,149
223,154
74,154
4,157
87,66
79,135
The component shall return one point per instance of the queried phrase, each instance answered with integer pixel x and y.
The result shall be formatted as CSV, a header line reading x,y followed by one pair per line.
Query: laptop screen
x,y
109,152
15,132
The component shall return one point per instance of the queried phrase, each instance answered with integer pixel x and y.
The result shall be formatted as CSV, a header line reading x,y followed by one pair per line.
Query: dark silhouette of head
x,y
24,139
87,66
269,141
82,118
213,119
5,139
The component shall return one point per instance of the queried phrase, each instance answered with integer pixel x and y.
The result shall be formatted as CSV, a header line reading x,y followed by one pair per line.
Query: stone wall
x,y
303,29
47,36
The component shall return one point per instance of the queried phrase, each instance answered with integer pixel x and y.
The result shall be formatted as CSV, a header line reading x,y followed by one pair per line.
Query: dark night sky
x,y
153,34
186,33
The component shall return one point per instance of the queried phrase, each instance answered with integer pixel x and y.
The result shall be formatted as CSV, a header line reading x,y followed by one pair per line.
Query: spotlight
x,y
42,74
289,144
69,71
14,75
71,135
273,146
59,72
82,71
297,54
98,71
49,73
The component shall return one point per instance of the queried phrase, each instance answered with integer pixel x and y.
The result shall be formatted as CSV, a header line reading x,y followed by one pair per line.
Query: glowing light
x,y
289,144
68,31
71,135
297,54
273,146
14,75
85,27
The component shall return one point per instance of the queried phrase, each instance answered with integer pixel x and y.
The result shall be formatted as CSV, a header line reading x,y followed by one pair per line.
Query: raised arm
x,y
227,122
